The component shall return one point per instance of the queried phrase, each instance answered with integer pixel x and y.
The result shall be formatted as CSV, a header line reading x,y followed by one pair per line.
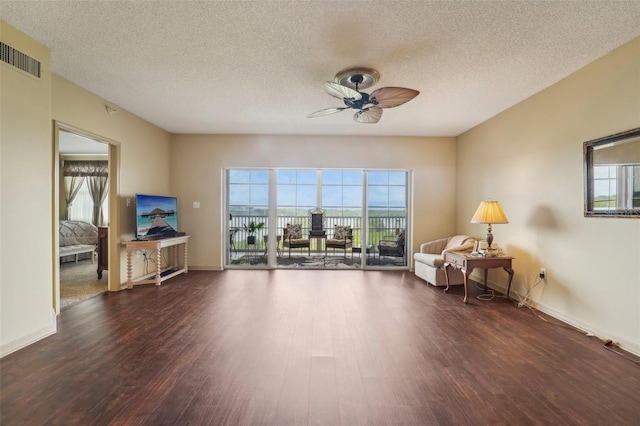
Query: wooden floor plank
x,y
291,347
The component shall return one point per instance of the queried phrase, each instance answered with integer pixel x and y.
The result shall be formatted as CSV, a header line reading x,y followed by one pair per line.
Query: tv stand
x,y
160,274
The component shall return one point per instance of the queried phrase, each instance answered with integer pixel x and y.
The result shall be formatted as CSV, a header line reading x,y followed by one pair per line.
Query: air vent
x,y
19,60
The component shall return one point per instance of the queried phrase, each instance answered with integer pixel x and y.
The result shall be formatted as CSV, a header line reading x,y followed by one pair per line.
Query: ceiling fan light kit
x,y
347,85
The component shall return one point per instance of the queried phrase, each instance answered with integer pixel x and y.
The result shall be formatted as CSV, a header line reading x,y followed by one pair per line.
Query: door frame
x,y
113,278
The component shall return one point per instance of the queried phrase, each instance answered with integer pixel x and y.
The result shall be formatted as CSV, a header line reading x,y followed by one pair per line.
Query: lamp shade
x,y
489,212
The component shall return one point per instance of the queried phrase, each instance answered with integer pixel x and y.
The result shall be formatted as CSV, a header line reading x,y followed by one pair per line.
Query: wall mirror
x,y
612,175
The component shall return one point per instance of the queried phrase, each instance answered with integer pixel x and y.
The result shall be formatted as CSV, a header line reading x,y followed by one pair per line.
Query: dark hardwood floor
x,y
289,347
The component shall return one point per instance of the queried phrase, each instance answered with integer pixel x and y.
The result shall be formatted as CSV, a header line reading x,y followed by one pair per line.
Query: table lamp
x,y
489,212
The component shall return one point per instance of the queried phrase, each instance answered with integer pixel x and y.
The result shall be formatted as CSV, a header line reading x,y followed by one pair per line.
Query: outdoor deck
x,y
379,228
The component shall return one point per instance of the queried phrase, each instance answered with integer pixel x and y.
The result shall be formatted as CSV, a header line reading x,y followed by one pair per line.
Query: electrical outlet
x,y
543,273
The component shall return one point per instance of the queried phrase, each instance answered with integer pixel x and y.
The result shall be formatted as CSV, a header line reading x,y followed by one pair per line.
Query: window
x,y
604,187
616,187
248,192
633,176
82,207
342,193
376,215
296,192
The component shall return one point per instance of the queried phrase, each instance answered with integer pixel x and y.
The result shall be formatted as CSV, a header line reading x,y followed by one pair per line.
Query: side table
x,y
369,250
466,263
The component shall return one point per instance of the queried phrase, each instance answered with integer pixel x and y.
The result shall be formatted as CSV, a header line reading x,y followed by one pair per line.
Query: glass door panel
x,y
341,200
387,209
296,197
248,206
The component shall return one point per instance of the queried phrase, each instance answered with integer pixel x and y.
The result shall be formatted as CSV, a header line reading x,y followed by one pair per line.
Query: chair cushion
x,y
400,238
434,260
294,231
341,232
338,242
389,248
298,241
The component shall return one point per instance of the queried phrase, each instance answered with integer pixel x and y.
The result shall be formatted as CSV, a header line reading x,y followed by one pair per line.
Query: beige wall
x,y
530,159
26,202
145,147
28,226
197,168
143,150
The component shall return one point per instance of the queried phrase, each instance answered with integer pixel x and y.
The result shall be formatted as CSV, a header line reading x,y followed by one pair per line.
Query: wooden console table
x,y
160,274
467,263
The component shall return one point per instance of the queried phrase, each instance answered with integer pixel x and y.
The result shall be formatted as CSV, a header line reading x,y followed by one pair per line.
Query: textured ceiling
x,y
257,67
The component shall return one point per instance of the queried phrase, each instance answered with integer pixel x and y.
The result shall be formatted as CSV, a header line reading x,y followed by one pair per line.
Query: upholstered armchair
x,y
394,247
429,262
292,239
342,239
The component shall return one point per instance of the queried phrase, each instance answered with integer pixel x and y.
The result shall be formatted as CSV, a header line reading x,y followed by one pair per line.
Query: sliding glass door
x,y
363,218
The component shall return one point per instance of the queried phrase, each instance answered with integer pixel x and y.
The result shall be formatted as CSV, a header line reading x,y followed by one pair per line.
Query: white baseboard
x,y
24,341
627,345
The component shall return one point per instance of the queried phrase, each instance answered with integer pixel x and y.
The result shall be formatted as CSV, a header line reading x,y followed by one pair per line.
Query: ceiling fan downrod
x,y
356,79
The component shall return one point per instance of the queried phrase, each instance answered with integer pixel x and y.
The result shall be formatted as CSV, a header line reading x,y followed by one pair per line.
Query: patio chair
x,y
393,248
292,239
342,239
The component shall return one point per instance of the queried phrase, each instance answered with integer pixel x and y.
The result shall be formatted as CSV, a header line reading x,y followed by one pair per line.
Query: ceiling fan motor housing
x,y
359,104
364,77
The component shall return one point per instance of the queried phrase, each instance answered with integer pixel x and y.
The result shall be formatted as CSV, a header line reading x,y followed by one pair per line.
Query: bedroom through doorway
x,y
83,189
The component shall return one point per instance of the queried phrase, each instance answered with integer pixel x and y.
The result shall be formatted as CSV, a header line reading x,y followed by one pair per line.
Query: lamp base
x,y
490,252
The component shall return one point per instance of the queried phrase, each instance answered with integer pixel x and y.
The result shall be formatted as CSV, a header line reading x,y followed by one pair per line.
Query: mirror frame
x,y
588,175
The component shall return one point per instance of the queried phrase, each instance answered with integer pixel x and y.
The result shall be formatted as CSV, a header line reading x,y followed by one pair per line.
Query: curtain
x,y
85,168
98,188
97,173
72,185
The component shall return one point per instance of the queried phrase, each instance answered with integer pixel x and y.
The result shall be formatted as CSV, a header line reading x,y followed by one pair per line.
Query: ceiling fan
x,y
368,107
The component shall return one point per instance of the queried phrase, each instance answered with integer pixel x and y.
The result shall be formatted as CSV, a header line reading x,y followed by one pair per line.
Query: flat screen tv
x,y
156,216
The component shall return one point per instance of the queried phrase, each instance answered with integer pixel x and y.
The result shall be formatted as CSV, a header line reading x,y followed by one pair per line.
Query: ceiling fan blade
x,y
389,97
369,115
326,111
338,91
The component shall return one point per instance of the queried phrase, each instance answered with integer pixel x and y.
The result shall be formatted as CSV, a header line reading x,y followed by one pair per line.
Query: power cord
x,y
606,343
490,295
146,262
146,255
523,301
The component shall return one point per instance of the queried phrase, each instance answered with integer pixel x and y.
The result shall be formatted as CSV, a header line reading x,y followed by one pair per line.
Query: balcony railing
x,y
380,228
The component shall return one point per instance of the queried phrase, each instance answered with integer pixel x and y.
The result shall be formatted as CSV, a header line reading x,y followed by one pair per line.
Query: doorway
x,y
85,170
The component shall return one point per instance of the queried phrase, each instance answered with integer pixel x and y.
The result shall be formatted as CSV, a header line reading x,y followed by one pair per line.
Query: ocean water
x,y
144,223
